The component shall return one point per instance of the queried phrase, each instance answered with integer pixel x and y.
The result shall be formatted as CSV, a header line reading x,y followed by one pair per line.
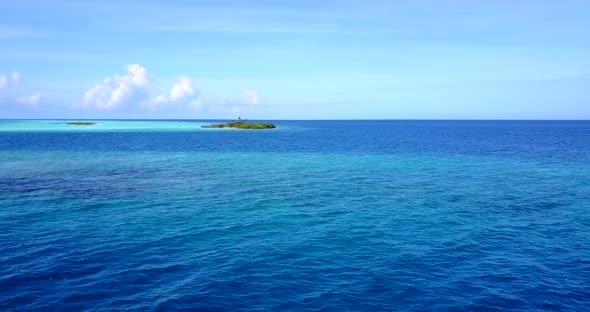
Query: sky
x,y
419,59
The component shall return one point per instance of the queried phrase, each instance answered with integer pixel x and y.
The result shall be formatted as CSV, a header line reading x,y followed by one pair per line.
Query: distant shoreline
x,y
219,119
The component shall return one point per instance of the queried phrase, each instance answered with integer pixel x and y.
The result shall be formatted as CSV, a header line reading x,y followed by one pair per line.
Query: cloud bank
x,y
138,89
184,91
117,91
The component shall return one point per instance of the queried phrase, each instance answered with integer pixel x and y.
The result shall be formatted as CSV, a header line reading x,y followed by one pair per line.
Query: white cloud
x,y
248,99
184,90
6,81
10,84
32,100
136,88
118,90
15,77
251,97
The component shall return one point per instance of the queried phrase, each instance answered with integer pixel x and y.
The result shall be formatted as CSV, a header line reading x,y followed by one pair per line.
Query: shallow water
x,y
314,215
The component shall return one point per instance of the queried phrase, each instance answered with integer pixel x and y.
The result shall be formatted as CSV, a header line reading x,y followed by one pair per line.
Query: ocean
x,y
403,215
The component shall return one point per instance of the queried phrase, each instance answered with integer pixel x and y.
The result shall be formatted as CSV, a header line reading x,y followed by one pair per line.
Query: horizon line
x,y
259,119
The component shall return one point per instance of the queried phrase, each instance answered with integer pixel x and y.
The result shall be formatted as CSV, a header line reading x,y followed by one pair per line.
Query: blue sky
x,y
295,59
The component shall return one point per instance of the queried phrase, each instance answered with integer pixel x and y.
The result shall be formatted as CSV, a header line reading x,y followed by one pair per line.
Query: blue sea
x,y
311,216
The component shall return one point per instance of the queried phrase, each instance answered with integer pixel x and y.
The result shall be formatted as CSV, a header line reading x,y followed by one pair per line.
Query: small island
x,y
240,124
81,123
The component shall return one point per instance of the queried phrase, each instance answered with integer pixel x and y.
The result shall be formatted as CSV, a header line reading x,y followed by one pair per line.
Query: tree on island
x,y
242,124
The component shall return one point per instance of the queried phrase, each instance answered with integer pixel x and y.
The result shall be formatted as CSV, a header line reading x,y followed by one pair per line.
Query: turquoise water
x,y
314,215
101,125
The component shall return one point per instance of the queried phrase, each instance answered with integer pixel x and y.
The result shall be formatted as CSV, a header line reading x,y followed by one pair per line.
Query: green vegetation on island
x,y
242,124
81,123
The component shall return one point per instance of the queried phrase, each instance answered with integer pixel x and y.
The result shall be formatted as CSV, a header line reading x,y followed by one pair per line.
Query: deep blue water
x,y
314,215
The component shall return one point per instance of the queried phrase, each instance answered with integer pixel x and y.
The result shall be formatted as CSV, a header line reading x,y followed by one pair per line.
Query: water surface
x,y
314,215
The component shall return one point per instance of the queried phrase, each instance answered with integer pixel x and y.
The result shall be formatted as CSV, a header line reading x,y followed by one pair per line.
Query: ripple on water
x,y
313,219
